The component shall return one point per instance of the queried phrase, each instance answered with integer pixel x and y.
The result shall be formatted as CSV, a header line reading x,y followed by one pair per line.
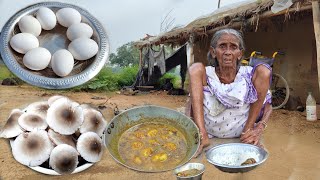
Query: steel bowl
x,y
189,166
229,157
54,40
138,115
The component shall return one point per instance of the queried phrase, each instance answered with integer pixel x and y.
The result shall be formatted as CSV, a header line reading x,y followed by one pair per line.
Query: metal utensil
x,y
53,40
189,166
139,115
229,157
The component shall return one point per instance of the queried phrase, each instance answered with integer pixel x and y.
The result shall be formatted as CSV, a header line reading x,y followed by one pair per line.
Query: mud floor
x,y
292,142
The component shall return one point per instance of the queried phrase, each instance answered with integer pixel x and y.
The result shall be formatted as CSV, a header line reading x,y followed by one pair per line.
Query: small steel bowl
x,y
229,157
189,166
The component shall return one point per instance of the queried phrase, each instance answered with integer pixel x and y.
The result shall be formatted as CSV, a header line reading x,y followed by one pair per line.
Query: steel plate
x,y
229,157
53,40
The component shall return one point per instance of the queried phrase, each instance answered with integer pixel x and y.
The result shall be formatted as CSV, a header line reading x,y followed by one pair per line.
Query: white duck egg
x,y
68,16
24,42
62,62
46,18
83,48
29,24
37,58
79,30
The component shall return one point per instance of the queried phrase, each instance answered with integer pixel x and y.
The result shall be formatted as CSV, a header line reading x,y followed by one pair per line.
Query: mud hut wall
x,y
299,65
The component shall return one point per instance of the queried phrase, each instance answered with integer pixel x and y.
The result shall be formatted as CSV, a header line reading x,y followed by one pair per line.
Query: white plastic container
x,y
311,108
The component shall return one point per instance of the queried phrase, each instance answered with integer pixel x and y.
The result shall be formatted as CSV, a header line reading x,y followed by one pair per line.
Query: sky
x,y
129,20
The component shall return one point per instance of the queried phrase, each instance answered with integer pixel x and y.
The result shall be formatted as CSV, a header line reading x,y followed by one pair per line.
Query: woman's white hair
x,y
221,32
218,35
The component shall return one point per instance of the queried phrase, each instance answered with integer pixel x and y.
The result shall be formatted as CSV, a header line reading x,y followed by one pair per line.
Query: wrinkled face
x,y
227,51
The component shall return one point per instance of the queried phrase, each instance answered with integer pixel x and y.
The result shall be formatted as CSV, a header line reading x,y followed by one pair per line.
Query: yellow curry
x,y
152,146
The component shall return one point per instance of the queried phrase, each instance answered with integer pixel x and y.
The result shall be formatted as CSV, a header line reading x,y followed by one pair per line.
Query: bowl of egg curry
x,y
152,138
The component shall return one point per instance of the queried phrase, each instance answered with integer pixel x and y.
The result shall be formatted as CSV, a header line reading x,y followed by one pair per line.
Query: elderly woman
x,y
228,100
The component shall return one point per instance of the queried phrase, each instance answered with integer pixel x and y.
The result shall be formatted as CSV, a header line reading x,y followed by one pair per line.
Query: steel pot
x,y
127,119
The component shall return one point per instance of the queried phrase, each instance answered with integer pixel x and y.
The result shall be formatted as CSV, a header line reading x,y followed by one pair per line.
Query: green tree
x,y
126,55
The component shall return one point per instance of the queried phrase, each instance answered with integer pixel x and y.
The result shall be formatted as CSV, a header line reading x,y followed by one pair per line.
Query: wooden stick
x,y
140,58
316,26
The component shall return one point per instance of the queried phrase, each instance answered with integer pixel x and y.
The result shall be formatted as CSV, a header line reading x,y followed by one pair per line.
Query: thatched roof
x,y
236,16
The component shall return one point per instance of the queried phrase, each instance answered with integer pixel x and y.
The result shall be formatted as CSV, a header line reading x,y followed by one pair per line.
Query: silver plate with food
x,y
236,157
54,40
45,169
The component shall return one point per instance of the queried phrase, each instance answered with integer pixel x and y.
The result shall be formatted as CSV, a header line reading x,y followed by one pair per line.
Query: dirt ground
x,y
292,142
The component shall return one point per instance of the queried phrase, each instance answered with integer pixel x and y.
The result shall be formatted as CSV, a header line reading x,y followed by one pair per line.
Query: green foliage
x,y
107,80
175,80
127,76
4,72
126,55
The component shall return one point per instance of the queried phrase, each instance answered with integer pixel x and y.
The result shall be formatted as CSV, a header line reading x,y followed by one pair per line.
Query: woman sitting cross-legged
x,y
229,100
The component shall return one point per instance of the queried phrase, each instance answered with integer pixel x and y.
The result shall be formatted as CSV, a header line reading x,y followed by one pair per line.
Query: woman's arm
x,y
197,74
255,134
261,82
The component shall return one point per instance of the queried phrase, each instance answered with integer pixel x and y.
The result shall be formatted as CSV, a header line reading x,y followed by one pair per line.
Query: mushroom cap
x,y
32,121
64,116
93,121
54,98
58,139
90,146
40,108
32,148
64,159
11,128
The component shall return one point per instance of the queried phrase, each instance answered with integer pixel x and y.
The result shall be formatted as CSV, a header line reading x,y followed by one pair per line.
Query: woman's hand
x,y
252,136
204,142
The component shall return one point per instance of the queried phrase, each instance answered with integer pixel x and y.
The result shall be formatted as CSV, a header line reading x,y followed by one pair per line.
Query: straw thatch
x,y
240,15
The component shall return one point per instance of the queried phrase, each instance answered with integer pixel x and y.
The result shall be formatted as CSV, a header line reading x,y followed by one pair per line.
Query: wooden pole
x,y
316,26
191,44
191,61
219,4
140,58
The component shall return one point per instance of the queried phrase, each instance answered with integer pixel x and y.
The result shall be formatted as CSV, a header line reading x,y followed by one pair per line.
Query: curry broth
x,y
152,146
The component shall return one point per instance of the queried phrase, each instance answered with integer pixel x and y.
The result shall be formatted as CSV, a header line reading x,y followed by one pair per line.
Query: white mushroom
x,y
93,121
40,108
11,128
58,139
32,121
64,116
32,148
90,146
54,98
64,159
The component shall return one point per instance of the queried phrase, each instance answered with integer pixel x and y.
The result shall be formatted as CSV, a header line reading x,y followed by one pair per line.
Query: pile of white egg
x,y
36,58
58,132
